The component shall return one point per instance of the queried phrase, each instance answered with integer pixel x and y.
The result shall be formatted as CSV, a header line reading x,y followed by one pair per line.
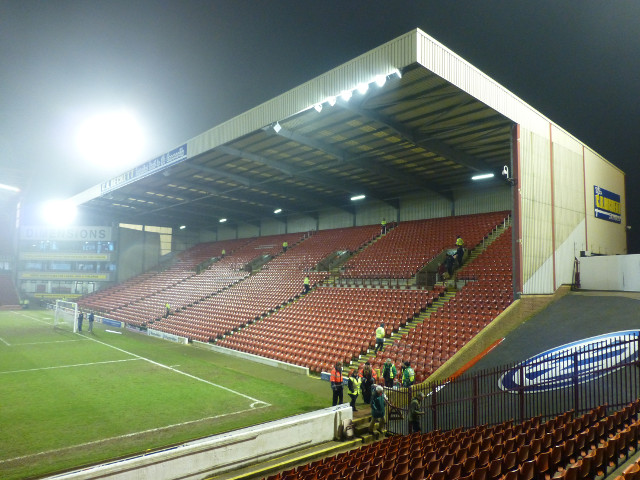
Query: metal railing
x,y
580,376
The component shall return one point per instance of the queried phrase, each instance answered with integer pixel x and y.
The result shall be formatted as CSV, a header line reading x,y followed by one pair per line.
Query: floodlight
x,y
346,95
380,80
331,101
362,88
277,127
483,176
357,197
182,227
112,137
277,211
318,107
396,72
59,212
9,187
222,220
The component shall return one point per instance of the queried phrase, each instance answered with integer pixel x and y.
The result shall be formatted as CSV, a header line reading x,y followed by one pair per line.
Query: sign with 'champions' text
x,y
606,205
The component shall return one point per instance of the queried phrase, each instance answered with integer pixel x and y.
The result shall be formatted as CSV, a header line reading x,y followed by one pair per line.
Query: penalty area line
x,y
129,435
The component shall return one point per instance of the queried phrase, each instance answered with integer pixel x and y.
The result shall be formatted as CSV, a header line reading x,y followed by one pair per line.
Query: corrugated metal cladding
x,y
397,53
536,214
334,218
604,237
445,63
469,202
374,213
301,224
569,214
248,231
424,206
273,227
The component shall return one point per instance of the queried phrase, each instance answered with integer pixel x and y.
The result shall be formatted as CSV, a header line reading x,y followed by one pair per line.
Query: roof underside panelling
x,y
416,132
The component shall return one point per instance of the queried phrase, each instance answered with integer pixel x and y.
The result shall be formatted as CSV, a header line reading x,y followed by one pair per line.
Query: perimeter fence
x,y
580,376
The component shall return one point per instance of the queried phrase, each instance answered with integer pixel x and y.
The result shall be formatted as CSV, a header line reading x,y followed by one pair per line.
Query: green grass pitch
x,y
68,399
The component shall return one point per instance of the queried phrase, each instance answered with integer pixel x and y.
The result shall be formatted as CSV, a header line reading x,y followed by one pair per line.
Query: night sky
x,y
187,66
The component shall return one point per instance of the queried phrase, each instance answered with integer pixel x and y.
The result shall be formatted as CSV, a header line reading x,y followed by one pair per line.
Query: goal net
x,y
66,315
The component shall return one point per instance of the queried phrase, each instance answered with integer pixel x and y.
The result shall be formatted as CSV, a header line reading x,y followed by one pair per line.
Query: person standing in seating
x,y
380,334
389,372
368,380
91,319
415,412
353,386
449,263
378,402
459,250
167,308
306,283
383,226
285,245
80,319
336,384
224,252
408,376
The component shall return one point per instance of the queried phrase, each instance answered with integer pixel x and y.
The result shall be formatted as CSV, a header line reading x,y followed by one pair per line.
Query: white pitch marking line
x,y
5,342
254,400
70,366
127,435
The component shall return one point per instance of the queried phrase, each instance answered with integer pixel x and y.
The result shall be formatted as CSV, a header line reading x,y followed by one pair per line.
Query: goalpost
x,y
66,315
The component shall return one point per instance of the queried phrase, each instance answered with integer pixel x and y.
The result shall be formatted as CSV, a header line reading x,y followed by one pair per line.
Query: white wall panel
x,y
301,224
335,218
374,212
272,227
535,191
568,200
617,272
418,207
604,237
227,233
246,230
566,253
469,202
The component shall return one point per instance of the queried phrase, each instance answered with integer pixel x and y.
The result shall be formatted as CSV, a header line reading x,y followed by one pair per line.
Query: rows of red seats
x,y
588,446
439,337
411,245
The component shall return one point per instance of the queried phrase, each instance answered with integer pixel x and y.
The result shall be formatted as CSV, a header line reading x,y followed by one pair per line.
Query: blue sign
x,y
578,362
176,155
606,205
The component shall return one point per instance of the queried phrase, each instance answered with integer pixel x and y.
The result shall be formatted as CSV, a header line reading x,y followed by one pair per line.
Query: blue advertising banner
x,y
606,205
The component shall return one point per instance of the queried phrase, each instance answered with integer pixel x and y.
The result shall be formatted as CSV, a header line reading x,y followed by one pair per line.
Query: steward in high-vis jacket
x,y
336,383
389,372
353,387
380,334
408,376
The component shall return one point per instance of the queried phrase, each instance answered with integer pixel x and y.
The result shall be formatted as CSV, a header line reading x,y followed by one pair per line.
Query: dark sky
x,y
186,66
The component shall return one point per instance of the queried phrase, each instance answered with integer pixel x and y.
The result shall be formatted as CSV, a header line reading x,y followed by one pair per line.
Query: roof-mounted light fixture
x,y
182,227
9,187
222,220
482,176
318,107
381,80
277,211
355,198
277,127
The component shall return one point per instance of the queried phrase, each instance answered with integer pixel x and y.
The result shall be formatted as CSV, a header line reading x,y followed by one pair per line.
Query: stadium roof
x,y
417,132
